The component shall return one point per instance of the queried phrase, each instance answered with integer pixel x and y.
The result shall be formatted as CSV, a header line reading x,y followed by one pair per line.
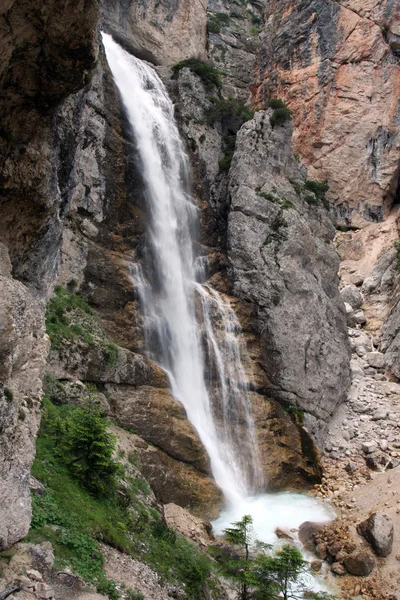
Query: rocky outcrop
x,y
233,31
283,264
336,65
181,520
288,457
47,53
172,481
157,417
162,32
23,350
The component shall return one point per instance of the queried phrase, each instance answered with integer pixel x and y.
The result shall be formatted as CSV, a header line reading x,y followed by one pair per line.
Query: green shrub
x,y
133,594
270,197
276,103
319,189
216,21
255,19
58,312
209,75
110,352
213,26
287,204
227,110
292,410
280,116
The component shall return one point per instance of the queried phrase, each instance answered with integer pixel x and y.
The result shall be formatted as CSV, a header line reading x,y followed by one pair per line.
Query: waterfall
x,y
191,331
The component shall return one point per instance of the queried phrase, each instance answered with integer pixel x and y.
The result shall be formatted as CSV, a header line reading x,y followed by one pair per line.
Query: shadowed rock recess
x,y
73,214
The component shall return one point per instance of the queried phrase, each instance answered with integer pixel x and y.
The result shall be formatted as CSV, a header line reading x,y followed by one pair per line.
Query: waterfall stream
x,y
201,354
191,331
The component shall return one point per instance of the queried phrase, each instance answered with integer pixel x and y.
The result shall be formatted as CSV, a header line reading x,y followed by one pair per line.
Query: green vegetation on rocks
x,y
216,21
70,320
230,115
209,75
74,517
319,189
281,113
60,311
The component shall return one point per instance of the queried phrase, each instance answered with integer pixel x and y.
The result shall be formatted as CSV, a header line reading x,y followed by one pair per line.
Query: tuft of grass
x,y
319,189
110,352
292,410
280,116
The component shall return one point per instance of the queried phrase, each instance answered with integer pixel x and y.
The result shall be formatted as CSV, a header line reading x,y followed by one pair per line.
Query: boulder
x,y
360,563
358,318
307,533
368,447
338,569
189,526
36,487
375,359
351,295
378,531
283,535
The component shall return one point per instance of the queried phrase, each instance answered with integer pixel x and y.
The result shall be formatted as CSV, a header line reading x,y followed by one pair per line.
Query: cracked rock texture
x,y
161,31
44,58
282,263
336,65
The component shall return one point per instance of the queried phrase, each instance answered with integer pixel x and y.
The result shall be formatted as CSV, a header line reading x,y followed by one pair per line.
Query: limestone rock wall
x,y
283,263
46,53
336,65
72,212
161,31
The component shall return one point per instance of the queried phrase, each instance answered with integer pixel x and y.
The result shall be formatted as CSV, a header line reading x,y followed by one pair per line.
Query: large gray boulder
x,y
352,296
360,563
378,531
284,265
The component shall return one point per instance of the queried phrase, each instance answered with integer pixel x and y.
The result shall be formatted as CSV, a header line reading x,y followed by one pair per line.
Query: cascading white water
x,y
202,355
221,411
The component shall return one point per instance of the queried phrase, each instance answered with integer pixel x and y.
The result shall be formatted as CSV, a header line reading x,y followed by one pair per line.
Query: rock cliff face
x,y
73,213
44,58
163,32
336,65
284,264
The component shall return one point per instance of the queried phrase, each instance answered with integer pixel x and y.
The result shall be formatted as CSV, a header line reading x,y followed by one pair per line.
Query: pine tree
x,y
240,535
90,447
